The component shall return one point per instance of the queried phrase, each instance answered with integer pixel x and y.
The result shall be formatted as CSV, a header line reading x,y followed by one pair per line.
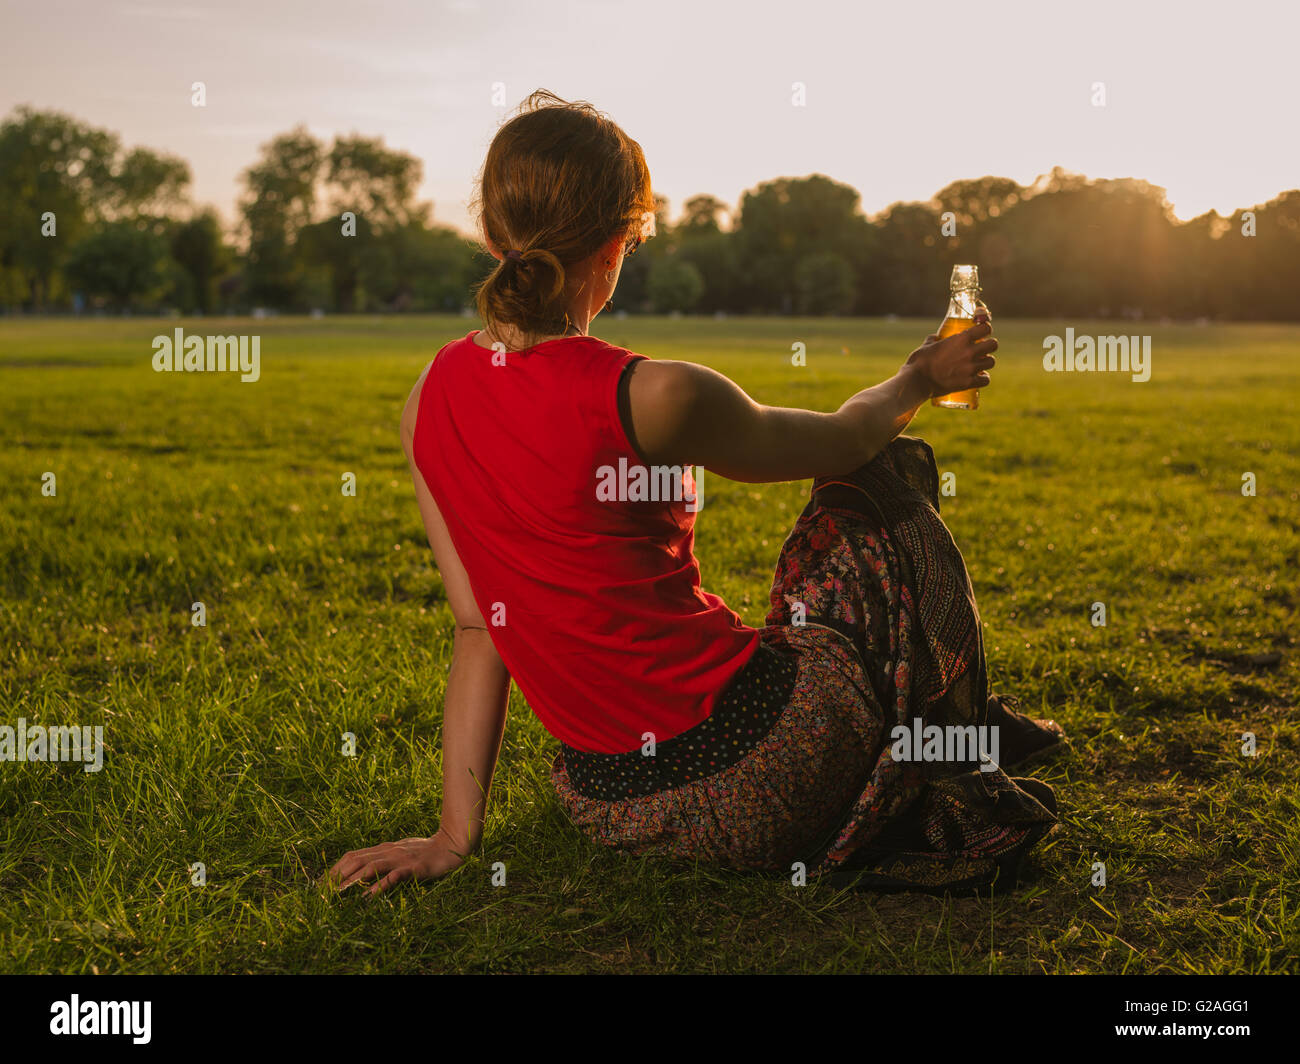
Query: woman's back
x,y
591,591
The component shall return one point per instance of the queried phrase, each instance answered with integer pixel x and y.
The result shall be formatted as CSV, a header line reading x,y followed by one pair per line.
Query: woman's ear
x,y
612,250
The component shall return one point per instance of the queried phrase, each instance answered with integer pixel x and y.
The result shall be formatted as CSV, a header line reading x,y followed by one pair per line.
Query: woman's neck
x,y
516,341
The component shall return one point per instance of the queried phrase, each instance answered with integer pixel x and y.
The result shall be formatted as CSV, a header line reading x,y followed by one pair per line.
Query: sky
x,y
900,98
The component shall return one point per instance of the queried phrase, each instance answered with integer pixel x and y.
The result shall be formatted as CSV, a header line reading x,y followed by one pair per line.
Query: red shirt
x,y
594,603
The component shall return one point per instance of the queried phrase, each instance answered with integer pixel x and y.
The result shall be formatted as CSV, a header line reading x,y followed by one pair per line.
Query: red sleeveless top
x,y
590,590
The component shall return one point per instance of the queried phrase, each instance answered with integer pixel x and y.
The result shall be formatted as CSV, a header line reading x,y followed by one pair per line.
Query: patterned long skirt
x,y
873,626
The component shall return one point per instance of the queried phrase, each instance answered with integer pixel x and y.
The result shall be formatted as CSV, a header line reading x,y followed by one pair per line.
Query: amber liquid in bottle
x,y
963,305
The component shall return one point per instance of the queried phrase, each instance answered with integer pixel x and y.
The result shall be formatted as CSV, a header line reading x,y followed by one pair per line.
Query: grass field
x,y
325,615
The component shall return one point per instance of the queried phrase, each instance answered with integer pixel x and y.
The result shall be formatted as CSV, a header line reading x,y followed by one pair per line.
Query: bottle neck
x,y
964,302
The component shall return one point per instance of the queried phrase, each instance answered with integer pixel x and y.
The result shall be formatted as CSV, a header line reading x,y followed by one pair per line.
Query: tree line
x,y
86,223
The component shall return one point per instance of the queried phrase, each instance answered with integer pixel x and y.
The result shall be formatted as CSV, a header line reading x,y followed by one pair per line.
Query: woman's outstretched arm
x,y
474,716
682,413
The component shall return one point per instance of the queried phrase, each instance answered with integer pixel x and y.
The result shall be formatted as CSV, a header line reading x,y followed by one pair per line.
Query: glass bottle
x,y
963,304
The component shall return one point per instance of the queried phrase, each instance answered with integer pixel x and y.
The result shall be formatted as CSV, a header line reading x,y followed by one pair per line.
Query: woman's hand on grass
x,y
959,362
394,862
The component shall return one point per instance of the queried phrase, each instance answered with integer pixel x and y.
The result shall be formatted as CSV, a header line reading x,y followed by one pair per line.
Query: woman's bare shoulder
x,y
411,412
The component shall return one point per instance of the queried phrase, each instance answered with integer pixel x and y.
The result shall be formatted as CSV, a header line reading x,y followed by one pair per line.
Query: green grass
x,y
326,615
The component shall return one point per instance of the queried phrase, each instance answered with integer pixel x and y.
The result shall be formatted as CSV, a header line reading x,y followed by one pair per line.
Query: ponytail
x,y
526,290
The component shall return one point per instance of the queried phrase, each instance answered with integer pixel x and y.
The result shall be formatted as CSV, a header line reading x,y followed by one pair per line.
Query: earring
x,y
609,305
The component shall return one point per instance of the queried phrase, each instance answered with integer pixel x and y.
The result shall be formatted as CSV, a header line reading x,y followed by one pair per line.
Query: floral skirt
x,y
872,626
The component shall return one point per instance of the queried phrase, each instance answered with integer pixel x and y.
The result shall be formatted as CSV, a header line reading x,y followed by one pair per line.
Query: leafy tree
x,y
279,201
77,209
825,284
700,217
374,181
785,220
201,258
144,183
49,164
1261,272
335,261
908,274
977,201
121,262
674,285
713,255
57,172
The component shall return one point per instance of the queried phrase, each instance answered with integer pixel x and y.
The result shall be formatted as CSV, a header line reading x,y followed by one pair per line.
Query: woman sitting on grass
x,y
541,457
